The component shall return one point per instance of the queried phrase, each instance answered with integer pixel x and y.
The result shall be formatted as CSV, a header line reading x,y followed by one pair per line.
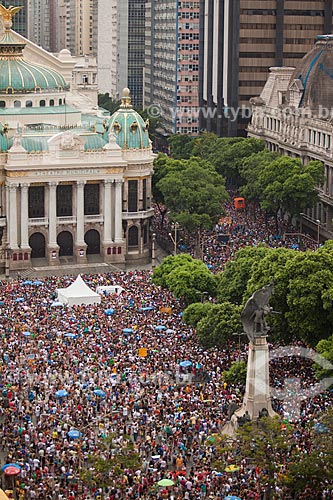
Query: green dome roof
x,y
21,76
128,126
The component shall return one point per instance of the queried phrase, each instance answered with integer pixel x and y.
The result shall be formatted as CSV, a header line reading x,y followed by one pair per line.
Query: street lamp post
x,y
175,227
239,342
318,231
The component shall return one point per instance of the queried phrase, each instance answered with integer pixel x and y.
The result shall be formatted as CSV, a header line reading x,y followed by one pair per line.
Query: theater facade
x,y
75,185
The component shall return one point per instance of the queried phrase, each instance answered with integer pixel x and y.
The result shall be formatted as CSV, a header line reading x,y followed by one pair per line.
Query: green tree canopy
x,y
185,277
325,349
194,193
217,327
236,373
195,312
232,282
108,103
181,146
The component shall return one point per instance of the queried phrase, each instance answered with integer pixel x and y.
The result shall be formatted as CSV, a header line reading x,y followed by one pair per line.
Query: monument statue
x,y
255,311
257,397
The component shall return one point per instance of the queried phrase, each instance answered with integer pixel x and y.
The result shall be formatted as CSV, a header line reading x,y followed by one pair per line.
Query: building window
x,y
28,104
2,104
133,236
132,196
91,199
42,103
36,202
17,104
52,102
64,200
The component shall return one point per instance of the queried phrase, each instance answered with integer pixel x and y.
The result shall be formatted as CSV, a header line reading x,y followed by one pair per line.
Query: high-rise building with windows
x,y
43,23
77,26
121,47
172,63
21,20
240,40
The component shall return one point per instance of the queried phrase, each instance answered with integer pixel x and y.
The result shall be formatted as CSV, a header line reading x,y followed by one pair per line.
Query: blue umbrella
x,y
26,334
70,335
109,312
61,394
27,282
19,299
100,393
160,328
1,303
148,308
210,266
320,428
128,330
37,282
56,304
74,434
4,467
232,497
185,364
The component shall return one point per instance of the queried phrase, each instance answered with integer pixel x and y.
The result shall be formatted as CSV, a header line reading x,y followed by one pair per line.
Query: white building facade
x,y
294,116
74,186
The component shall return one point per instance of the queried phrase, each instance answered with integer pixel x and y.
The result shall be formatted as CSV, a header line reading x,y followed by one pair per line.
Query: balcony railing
x,y
38,221
94,218
138,215
68,219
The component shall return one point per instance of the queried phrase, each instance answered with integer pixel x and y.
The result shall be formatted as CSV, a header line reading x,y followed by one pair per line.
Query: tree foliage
x,y
193,192
233,280
195,312
185,277
236,373
108,103
325,349
181,146
217,327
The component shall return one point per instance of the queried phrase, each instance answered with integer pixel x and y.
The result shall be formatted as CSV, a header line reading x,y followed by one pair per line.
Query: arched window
x,y
51,102
133,236
2,104
17,104
60,102
28,104
42,103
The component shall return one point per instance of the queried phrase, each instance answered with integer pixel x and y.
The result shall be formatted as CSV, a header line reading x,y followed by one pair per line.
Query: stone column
x,y
107,212
80,244
24,216
118,211
148,193
80,213
140,195
52,245
330,171
12,232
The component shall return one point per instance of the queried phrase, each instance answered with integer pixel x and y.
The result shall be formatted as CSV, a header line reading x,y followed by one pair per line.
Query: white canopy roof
x,y
78,293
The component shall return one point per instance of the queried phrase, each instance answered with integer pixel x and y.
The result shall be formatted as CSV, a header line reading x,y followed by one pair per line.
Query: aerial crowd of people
x,y
79,383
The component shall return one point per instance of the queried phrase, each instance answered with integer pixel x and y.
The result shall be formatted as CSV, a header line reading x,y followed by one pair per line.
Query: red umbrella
x,y
11,471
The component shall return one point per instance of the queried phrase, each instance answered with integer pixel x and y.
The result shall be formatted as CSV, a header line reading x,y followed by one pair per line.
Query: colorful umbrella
x,y
26,334
56,304
61,393
11,471
27,282
185,364
37,282
232,497
70,335
128,330
109,312
100,393
74,434
144,309
231,468
4,467
165,482
160,328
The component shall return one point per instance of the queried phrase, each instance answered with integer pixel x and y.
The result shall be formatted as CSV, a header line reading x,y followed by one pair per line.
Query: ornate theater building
x,y
75,184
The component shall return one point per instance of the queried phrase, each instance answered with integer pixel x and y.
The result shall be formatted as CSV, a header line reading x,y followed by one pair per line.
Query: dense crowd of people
x,y
79,383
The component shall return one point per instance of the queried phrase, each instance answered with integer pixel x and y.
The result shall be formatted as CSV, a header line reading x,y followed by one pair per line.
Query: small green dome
x,y
20,76
128,126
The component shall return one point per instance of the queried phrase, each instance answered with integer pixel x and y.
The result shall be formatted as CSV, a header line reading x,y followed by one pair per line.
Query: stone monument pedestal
x,y
257,393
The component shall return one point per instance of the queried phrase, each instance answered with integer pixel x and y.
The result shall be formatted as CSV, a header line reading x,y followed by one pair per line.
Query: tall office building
x,y
172,63
240,40
121,47
21,20
43,23
77,26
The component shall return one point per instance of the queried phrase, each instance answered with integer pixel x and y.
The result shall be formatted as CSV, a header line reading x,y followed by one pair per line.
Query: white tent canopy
x,y
78,293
